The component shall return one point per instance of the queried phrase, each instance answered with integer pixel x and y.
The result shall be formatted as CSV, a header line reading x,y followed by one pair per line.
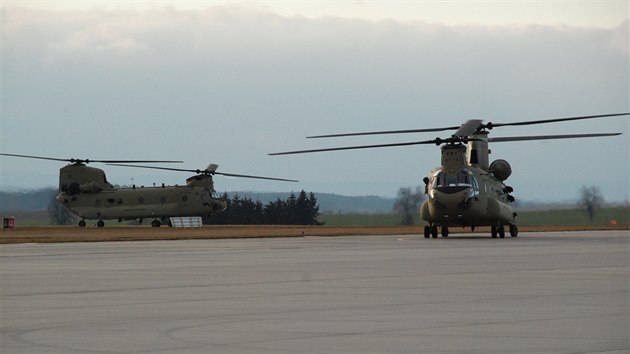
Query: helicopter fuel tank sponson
x,y
500,169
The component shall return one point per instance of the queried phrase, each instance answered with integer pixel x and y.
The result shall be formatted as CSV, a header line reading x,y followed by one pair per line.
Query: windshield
x,y
463,178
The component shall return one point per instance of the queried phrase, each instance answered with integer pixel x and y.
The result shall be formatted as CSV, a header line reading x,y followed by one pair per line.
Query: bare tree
x,y
590,199
59,214
407,202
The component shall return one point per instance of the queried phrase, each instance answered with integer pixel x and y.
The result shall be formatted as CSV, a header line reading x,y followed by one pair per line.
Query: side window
x,y
475,185
437,180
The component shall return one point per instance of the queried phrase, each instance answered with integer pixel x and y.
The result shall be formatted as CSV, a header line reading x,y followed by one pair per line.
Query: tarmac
x,y
563,292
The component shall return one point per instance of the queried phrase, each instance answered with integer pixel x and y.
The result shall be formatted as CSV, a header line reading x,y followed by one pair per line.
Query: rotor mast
x,y
478,152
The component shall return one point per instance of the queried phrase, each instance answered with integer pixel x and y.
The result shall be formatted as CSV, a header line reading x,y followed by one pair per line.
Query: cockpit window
x,y
462,178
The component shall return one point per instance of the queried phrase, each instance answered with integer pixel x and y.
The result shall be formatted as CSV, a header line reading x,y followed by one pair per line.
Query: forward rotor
x,y
436,141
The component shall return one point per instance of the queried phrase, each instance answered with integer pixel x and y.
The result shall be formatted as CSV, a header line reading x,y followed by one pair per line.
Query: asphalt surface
x,y
538,293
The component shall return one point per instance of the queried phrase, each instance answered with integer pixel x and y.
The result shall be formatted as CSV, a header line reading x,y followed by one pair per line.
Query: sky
x,y
228,82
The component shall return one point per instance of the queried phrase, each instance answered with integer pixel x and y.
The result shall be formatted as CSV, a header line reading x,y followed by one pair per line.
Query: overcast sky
x,y
227,83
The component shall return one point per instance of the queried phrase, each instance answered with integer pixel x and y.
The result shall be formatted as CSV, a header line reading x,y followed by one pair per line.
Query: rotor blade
x,y
204,171
468,128
548,137
156,168
434,141
73,160
257,177
133,161
35,157
543,121
487,126
385,132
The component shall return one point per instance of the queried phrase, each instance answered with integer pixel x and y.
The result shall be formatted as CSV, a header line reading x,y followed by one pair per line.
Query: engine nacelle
x,y
76,188
91,187
501,169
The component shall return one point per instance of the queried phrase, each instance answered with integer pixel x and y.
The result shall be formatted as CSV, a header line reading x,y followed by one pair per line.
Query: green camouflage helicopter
x,y
466,190
87,193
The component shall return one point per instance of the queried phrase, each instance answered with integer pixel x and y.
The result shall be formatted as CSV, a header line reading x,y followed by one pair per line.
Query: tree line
x,y
295,210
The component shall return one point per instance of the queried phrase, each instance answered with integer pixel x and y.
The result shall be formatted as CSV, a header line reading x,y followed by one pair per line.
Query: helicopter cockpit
x,y
450,183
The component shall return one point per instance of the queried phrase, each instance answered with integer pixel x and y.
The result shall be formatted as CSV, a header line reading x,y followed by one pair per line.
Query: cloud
x,y
232,83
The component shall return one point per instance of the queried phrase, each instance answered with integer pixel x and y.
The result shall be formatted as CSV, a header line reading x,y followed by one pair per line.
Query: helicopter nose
x,y
452,189
454,197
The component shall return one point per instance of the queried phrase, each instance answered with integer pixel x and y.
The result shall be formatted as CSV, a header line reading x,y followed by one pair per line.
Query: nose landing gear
x,y
432,231
497,231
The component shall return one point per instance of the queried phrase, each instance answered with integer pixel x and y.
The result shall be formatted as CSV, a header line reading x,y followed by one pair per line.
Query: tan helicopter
x,y
86,192
467,190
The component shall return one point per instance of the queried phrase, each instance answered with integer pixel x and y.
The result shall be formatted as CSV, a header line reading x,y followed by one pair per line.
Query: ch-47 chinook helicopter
x,y
86,192
466,190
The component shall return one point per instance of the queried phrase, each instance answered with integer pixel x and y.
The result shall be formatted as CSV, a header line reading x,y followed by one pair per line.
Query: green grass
x,y
568,217
571,217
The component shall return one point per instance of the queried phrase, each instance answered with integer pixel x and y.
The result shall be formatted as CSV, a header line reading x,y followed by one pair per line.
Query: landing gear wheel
x,y
444,231
434,232
501,231
513,230
82,223
427,231
156,223
493,231
100,223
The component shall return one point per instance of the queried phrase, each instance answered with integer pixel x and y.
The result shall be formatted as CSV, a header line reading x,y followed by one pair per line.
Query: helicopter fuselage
x,y
469,198
85,191
467,191
138,203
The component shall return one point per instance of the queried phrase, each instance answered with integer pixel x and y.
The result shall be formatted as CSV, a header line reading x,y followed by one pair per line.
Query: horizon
x,y
526,202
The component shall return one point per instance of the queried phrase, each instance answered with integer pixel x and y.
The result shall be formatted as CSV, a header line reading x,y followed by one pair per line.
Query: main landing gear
x,y
100,223
500,231
432,231
160,222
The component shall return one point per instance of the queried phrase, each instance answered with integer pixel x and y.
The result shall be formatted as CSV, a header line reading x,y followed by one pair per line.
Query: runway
x,y
537,293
